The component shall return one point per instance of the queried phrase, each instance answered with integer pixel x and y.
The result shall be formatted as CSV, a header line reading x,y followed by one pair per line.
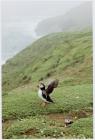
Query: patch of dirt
x,y
60,117
57,117
30,131
80,114
7,123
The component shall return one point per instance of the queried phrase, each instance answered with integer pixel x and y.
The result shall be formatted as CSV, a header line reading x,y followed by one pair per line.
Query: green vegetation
x,y
22,108
65,56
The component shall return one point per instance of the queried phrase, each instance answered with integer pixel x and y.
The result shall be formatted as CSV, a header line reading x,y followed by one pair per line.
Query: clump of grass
x,y
82,128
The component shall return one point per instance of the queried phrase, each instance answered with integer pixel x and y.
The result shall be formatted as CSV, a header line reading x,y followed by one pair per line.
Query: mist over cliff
x,y
77,18
22,24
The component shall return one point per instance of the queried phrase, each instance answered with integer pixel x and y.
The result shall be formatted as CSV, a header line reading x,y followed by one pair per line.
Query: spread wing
x,y
51,86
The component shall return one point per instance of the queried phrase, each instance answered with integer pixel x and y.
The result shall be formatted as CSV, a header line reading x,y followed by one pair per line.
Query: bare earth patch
x,y
7,123
60,117
30,131
56,117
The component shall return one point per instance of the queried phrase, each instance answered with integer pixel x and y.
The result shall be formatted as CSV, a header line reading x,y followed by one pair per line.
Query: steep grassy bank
x,y
64,56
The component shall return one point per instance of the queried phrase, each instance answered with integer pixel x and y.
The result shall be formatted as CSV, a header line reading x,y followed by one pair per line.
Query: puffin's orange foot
x,y
44,104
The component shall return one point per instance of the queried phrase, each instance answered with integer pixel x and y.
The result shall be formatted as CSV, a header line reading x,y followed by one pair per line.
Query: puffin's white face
x,y
41,86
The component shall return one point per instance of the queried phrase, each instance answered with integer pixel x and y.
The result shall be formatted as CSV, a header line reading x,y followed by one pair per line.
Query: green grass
x,y
63,56
22,106
42,127
23,102
59,55
83,128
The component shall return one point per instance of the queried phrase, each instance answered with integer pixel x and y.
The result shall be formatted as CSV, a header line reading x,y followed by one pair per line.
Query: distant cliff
x,y
76,19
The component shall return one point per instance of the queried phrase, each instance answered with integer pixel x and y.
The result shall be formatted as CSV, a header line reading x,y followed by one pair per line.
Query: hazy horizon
x,y
20,18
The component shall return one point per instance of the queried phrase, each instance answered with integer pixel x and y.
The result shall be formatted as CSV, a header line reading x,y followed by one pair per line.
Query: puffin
x,y
44,93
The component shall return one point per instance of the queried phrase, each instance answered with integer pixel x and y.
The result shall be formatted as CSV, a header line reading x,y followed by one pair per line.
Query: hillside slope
x,y
66,56
76,19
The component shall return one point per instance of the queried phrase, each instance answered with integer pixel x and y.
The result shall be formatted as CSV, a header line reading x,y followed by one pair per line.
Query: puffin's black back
x,y
47,97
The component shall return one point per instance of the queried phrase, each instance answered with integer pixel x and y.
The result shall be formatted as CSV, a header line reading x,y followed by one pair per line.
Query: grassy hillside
x,y
65,56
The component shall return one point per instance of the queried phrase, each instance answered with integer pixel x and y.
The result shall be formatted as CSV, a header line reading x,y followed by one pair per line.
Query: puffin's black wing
x,y
51,86
47,97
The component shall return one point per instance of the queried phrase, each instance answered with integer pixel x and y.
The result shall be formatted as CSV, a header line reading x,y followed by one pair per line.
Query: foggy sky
x,y
14,10
20,18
